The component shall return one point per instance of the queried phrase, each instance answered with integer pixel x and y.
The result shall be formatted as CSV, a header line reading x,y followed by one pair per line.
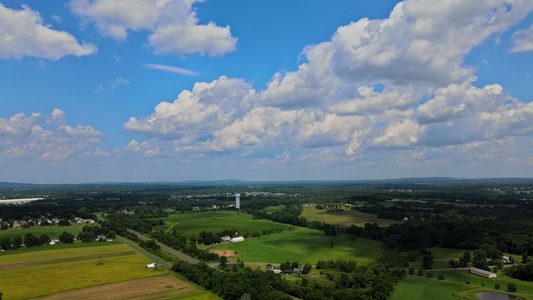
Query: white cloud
x,y
523,40
422,41
173,24
206,107
378,85
170,69
25,137
118,82
458,101
22,33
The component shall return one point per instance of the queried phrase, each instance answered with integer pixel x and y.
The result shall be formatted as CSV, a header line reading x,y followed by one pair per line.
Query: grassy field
x,y
70,269
51,231
192,224
156,287
344,219
309,246
414,288
454,286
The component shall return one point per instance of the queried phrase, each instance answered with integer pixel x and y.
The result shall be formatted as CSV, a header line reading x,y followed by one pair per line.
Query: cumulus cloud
x,y
173,24
393,84
26,137
422,41
523,40
206,107
22,33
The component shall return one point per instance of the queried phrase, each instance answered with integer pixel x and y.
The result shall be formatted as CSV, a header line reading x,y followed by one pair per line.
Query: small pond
x,y
496,296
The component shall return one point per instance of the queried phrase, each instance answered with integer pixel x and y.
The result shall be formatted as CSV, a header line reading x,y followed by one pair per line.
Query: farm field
x,y
413,288
51,231
192,224
155,287
51,271
309,246
344,219
524,287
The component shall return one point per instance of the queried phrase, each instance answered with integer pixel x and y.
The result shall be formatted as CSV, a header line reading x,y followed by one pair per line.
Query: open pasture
x,y
51,231
192,224
524,287
309,246
421,288
71,269
344,219
156,287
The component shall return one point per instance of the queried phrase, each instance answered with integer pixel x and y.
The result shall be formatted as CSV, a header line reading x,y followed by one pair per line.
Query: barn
x,y
237,239
482,273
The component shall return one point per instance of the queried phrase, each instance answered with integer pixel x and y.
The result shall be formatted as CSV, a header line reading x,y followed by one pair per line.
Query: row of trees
x,y
240,281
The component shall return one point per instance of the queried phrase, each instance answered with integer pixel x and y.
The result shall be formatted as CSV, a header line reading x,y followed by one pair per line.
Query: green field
x,y
192,224
51,231
59,272
454,286
309,246
344,219
414,288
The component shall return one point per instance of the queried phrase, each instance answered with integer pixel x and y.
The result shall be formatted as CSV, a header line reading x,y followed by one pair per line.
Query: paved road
x,y
158,261
167,249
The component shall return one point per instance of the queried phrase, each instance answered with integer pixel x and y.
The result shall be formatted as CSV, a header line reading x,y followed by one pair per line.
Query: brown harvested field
x,y
223,252
158,287
62,260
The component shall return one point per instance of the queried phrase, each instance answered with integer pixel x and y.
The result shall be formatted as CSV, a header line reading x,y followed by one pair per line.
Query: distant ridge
x,y
409,180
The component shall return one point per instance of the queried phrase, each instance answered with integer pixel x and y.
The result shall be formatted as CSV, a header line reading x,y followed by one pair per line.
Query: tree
x,y
44,239
63,222
30,240
427,260
511,287
497,286
111,234
67,238
498,263
307,268
467,256
223,262
5,243
17,241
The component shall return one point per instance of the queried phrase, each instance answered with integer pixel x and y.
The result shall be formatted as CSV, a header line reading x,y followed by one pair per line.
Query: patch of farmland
x,y
307,246
344,219
193,224
158,287
66,273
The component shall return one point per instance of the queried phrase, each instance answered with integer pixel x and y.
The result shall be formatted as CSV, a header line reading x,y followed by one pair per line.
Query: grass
x,y
52,252
454,286
155,287
46,279
309,246
413,288
525,287
272,209
192,224
51,231
344,219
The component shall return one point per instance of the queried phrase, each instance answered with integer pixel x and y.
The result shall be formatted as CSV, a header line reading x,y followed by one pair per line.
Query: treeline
x,y
236,281
522,272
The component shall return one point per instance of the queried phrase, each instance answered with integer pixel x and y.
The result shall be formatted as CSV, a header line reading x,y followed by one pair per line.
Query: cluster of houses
x,y
29,223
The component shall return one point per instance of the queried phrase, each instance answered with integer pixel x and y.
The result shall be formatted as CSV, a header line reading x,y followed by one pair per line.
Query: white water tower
x,y
237,201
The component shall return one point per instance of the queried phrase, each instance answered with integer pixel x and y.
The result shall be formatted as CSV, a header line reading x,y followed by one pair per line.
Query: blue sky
x,y
172,90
